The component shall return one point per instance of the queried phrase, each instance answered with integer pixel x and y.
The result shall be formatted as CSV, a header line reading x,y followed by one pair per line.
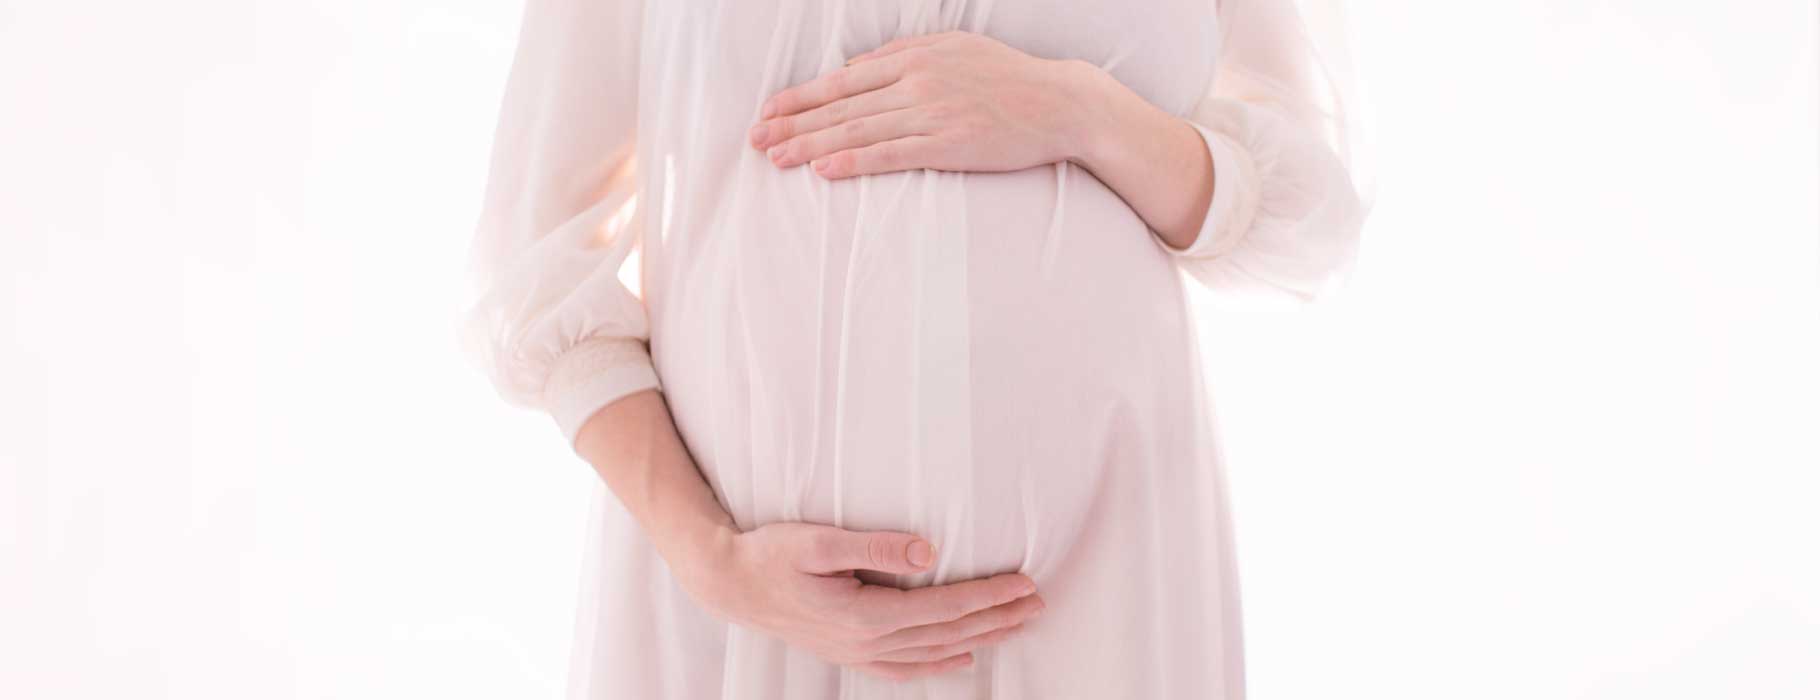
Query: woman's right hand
x,y
796,581
799,582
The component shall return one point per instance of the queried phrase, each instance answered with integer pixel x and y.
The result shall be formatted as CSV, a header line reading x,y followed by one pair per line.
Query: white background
x,y
1560,438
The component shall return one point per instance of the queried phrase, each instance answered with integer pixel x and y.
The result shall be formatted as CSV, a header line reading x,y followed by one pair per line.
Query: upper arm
x,y
568,121
1268,57
553,326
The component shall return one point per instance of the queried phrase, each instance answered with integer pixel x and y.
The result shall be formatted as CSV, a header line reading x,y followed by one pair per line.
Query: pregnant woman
x,y
901,397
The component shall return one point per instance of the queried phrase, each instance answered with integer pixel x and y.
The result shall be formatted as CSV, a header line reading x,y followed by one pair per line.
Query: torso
x,y
959,355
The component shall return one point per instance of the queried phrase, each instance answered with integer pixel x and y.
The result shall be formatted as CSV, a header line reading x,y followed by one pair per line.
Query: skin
x,y
796,581
953,101
965,102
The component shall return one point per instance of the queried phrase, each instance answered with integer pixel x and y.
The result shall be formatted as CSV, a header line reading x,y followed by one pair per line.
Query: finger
x,y
832,550
991,619
841,82
891,670
935,653
774,131
857,133
893,609
906,153
896,45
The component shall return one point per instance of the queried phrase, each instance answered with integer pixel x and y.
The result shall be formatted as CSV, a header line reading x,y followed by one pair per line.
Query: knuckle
x,y
872,634
823,545
878,550
991,619
919,87
770,548
959,633
863,649
887,155
785,101
872,628
807,146
858,626
945,634
957,608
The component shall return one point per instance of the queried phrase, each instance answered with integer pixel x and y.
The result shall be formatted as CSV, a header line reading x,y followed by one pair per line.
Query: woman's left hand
x,y
951,101
965,102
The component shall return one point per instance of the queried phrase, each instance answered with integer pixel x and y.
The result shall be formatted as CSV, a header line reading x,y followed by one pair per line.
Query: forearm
x,y
633,444
1153,160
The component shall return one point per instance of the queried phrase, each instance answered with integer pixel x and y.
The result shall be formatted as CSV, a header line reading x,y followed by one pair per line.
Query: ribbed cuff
x,y
593,374
1235,198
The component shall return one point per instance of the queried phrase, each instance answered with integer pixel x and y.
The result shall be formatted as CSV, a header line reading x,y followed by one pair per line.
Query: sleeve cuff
x,y
1235,198
593,374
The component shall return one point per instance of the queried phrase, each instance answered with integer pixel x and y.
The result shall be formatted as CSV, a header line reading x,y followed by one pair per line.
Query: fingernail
x,y
777,154
1029,588
820,165
758,134
768,111
1040,607
920,554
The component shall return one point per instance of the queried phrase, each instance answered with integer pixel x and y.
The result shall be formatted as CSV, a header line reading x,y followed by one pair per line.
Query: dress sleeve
x,y
553,327
1286,212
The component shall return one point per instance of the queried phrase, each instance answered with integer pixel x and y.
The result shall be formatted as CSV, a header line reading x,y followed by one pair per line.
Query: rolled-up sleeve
x,y
553,326
1285,217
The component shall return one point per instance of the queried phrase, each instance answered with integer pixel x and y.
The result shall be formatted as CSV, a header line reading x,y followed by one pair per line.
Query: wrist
x,y
1113,124
633,446
696,551
1155,161
1093,97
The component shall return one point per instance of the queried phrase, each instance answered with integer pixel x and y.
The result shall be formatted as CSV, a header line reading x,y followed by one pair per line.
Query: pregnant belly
x,y
963,357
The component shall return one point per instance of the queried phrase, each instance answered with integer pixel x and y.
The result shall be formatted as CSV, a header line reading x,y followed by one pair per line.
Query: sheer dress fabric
x,y
1003,363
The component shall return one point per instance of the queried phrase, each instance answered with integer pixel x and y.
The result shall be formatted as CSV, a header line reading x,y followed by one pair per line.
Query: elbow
x,y
1291,233
1299,245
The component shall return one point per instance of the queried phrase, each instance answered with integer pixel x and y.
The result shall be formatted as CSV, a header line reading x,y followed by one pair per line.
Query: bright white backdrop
x,y
1560,439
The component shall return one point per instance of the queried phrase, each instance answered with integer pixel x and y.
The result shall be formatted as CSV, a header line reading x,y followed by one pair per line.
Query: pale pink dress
x,y
1003,363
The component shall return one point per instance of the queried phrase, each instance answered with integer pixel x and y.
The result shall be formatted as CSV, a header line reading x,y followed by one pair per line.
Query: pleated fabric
x,y
1002,363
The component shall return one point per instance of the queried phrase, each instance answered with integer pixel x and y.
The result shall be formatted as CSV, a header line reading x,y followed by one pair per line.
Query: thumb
x,y
832,549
